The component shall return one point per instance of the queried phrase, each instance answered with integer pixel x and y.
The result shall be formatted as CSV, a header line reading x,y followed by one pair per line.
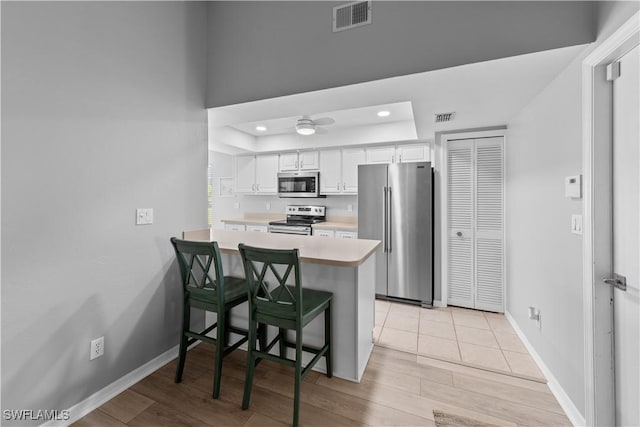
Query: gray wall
x,y
262,50
102,112
544,259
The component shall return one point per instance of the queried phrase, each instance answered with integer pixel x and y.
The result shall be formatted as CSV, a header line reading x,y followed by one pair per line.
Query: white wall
x,y
544,259
102,112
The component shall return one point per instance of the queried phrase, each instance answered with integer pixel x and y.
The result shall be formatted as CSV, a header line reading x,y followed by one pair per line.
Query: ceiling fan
x,y
307,126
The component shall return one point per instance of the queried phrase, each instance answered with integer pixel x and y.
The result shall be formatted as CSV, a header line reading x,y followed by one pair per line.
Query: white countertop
x,y
336,223
317,250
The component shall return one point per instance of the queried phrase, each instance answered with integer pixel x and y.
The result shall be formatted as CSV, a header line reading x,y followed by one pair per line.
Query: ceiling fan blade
x,y
324,121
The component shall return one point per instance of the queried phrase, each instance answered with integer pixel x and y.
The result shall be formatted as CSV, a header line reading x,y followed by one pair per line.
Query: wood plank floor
x,y
398,389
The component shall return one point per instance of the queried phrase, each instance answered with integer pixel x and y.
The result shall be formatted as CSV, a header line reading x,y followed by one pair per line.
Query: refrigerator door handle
x,y
389,220
384,219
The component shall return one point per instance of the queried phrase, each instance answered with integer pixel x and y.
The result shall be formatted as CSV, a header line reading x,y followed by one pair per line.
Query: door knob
x,y
459,234
617,281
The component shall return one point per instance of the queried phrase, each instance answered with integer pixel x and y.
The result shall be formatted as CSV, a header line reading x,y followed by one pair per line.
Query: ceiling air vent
x,y
443,117
351,15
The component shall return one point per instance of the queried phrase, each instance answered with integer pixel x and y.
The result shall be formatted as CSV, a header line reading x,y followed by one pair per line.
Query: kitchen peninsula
x,y
344,267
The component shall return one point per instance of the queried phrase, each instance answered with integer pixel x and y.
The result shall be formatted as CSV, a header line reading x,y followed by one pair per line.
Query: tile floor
x,y
471,337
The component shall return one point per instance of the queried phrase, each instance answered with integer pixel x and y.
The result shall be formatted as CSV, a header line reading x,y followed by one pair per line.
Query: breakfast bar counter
x,y
344,267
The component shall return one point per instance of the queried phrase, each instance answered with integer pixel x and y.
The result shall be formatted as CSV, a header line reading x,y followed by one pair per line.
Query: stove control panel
x,y
306,210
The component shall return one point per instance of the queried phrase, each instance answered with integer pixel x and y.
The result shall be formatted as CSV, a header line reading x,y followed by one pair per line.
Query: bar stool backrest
x,y
195,260
267,272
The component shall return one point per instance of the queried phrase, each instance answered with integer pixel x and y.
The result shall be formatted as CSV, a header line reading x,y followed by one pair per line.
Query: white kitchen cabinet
x,y
267,174
324,233
339,170
260,228
385,154
346,234
330,172
288,162
245,174
308,160
351,158
413,153
303,161
256,174
234,227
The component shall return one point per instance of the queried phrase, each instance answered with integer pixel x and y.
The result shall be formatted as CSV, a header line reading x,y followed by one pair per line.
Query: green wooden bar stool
x,y
286,307
217,294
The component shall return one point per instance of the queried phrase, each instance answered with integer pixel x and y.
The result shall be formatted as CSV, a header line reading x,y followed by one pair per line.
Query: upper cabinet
x,y
339,170
256,174
382,154
399,154
413,153
305,160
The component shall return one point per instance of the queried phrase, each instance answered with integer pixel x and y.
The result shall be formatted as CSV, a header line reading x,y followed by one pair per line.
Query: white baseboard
x,y
576,418
102,396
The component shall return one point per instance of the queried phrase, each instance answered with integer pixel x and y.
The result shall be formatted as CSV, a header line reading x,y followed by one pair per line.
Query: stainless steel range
x,y
299,220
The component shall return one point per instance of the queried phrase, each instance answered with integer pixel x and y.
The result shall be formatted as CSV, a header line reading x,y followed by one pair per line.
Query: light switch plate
x,y
144,216
576,224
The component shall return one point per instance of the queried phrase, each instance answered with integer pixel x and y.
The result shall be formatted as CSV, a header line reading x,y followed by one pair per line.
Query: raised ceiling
x,y
481,94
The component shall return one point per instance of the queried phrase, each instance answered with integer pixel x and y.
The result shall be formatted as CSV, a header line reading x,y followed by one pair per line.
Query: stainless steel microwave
x,y
299,184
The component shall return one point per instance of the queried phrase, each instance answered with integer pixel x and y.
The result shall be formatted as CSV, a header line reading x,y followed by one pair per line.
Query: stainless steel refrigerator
x,y
395,205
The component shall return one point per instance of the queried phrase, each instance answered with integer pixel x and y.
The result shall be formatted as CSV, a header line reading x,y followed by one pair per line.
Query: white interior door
x,y
626,238
460,191
489,224
475,223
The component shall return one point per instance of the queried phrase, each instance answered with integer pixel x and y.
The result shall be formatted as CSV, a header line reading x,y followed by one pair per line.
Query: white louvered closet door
x,y
460,223
475,199
489,199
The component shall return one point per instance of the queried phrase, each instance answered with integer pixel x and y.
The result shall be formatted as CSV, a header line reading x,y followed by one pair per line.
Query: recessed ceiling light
x,y
261,128
383,113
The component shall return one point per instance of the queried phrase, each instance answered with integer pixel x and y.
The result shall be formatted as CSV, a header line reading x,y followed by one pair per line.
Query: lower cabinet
x,y
260,228
336,233
347,234
324,233
234,227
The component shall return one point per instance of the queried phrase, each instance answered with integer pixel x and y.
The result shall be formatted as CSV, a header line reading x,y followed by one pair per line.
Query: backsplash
x,y
226,206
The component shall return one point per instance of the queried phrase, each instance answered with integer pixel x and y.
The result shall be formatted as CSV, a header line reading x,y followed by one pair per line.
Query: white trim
x,y
438,304
102,396
444,258
599,404
563,398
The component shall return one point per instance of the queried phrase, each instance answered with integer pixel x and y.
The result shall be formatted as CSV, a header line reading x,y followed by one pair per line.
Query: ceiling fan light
x,y
305,128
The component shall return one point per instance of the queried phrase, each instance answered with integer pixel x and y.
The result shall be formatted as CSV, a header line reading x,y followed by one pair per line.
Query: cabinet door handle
x,y
257,187
253,187
301,164
400,158
338,186
344,186
296,164
392,158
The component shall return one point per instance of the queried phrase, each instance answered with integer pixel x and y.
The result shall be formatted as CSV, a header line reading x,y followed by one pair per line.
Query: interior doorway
x,y
607,391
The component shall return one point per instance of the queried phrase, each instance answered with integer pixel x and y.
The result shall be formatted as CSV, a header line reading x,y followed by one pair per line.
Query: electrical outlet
x,y
97,348
534,314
